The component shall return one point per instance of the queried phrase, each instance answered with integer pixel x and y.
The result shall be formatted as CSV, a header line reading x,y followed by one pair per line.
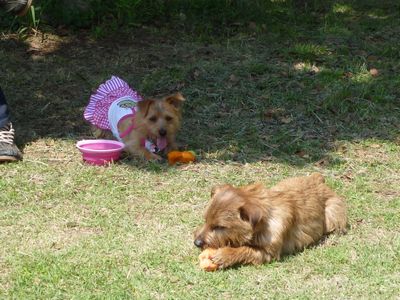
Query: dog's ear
x,y
214,190
175,100
144,106
251,213
217,188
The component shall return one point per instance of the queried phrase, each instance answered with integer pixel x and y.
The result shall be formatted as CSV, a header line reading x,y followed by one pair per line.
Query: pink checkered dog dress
x,y
114,101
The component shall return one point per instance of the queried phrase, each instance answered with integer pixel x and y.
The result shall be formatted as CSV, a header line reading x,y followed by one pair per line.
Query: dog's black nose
x,y
162,132
198,243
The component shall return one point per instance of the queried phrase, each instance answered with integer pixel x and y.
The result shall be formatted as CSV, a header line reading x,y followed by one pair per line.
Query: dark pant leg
x,y
4,114
3,4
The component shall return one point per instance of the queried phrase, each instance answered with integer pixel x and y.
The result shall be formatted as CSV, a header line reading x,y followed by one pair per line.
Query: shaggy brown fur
x,y
155,118
255,225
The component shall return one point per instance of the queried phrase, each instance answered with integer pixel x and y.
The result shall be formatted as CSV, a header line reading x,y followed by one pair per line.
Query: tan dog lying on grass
x,y
255,225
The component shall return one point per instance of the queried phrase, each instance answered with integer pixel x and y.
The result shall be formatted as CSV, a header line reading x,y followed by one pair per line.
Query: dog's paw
x,y
205,260
155,157
223,257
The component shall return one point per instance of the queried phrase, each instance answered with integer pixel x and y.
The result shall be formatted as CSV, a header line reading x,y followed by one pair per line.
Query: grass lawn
x,y
320,92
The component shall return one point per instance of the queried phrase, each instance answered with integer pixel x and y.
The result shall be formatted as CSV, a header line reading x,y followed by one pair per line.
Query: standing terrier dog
x,y
255,225
146,127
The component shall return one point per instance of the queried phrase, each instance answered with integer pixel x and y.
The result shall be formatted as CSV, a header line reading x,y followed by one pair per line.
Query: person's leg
x,y
4,114
8,149
16,7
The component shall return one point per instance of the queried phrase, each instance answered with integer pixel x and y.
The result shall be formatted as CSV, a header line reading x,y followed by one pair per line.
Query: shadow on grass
x,y
288,90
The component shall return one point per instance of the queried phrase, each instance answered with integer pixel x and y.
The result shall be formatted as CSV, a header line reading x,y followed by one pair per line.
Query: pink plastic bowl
x,y
100,152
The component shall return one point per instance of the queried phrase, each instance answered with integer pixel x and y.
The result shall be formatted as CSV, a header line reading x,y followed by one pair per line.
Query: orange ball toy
x,y
181,157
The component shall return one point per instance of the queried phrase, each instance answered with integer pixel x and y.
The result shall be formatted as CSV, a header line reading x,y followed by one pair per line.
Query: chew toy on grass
x,y
181,157
205,260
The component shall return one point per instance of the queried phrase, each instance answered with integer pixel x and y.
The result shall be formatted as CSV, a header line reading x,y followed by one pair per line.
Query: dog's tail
x,y
101,133
335,215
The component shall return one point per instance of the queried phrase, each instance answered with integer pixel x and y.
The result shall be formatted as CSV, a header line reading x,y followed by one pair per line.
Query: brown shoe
x,y
8,150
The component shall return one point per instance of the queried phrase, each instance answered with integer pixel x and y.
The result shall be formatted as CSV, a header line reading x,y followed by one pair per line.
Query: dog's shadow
x,y
149,166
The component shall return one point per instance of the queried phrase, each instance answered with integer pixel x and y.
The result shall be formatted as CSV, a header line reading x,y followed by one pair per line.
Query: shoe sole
x,y
6,158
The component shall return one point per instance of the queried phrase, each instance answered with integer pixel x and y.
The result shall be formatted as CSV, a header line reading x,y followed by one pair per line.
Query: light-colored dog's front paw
x,y
205,260
223,257
152,156
156,157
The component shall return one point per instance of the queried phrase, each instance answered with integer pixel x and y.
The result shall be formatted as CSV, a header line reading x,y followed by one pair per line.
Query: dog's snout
x,y
162,132
199,243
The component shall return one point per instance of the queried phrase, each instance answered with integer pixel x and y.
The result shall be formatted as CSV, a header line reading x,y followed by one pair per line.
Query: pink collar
x,y
132,127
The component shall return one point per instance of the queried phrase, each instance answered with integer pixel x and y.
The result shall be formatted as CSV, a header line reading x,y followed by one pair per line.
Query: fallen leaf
x,y
286,120
314,69
273,113
301,153
233,78
347,176
299,66
322,162
374,72
372,58
348,75
56,246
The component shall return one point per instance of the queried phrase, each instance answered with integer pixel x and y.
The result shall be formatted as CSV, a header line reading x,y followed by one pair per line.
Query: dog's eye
x,y
153,119
168,118
218,227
